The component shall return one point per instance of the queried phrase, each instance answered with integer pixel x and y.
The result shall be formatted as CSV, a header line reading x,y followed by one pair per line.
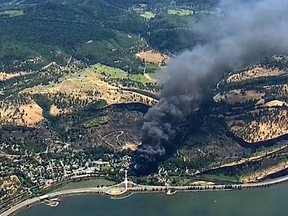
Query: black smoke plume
x,y
243,34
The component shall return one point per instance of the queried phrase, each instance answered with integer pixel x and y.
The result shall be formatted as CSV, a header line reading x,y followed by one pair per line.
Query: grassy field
x,y
148,15
110,71
221,178
116,73
151,68
181,12
97,121
86,184
140,78
185,182
11,13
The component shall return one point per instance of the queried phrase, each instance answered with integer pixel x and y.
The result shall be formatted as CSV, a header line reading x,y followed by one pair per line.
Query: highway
x,y
32,201
137,188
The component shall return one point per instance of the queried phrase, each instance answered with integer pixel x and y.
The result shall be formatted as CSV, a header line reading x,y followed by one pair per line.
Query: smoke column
x,y
243,35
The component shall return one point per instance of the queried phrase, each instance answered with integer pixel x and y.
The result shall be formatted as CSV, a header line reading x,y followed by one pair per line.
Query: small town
x,y
28,175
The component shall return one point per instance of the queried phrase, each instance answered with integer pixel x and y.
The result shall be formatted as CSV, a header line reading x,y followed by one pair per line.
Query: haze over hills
x,y
77,78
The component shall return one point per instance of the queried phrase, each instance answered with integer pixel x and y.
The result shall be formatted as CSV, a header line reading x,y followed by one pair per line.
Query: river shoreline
x,y
14,210
262,201
37,202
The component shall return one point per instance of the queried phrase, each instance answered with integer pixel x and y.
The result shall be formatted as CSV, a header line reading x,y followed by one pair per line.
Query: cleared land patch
x,y
254,73
238,96
28,114
148,15
181,12
55,111
275,103
260,126
154,57
130,146
11,13
262,174
7,76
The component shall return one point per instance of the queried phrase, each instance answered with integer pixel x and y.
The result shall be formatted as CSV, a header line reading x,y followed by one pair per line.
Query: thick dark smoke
x,y
244,34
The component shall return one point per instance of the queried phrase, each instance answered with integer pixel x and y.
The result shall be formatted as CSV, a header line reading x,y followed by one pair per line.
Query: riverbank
x,y
261,201
138,189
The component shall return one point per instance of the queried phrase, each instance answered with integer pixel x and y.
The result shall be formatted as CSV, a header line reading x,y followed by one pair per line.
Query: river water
x,y
271,201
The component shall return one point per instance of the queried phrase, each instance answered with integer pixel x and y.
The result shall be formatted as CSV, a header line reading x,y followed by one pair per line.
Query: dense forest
x,y
109,32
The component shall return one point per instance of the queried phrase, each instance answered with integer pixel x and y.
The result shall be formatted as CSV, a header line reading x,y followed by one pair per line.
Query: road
x,y
137,188
29,202
120,133
20,206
